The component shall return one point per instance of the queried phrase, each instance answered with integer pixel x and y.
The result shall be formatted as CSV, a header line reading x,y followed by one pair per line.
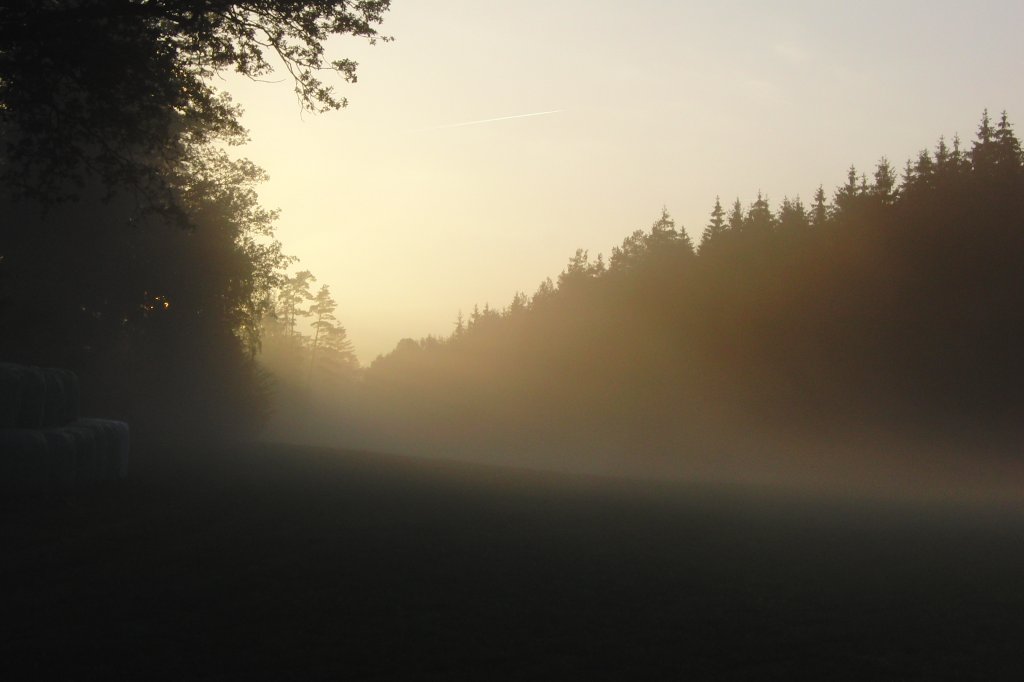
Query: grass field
x,y
290,563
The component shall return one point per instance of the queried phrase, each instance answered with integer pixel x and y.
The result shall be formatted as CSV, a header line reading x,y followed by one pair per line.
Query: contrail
x,y
485,120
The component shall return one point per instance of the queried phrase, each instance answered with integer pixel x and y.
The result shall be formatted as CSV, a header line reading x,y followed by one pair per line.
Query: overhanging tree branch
x,y
120,90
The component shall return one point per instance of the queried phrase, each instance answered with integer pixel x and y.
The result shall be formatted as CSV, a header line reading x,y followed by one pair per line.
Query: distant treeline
x,y
897,304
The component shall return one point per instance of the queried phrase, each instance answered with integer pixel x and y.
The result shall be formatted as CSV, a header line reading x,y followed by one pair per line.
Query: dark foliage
x,y
120,89
161,322
132,248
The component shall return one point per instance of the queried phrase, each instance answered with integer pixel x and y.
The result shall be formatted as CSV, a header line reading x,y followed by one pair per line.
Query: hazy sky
x,y
410,218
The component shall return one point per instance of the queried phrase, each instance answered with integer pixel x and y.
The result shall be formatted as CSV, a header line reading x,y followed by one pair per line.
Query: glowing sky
x,y
410,217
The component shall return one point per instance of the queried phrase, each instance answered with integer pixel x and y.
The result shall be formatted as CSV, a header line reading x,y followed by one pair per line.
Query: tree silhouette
x,y
845,200
294,293
884,187
819,211
759,218
715,227
112,103
792,215
736,216
330,347
984,153
121,90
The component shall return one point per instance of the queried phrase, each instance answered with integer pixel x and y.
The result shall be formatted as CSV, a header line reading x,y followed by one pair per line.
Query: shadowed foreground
x,y
280,562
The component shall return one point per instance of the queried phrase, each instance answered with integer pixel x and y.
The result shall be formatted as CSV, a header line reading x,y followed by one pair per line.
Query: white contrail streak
x,y
485,120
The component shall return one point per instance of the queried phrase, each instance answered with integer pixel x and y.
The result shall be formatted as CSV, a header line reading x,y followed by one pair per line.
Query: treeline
x,y
895,304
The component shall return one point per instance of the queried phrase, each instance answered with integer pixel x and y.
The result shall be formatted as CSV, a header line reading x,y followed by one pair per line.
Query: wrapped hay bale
x,y
44,446
72,395
123,447
107,439
54,407
87,453
61,459
23,464
33,398
10,395
113,439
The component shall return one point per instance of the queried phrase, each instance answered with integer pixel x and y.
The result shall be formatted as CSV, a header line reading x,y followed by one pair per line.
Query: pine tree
x,y
819,212
759,217
792,215
943,168
1008,151
683,243
909,175
336,354
294,293
545,290
520,302
715,227
985,153
943,157
884,187
577,270
322,311
666,246
664,228
736,216
630,253
958,161
846,196
925,169
864,188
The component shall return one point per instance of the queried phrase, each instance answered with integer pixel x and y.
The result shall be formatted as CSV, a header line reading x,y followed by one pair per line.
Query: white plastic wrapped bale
x,y
87,453
33,398
104,446
113,440
54,406
69,381
61,459
10,395
23,461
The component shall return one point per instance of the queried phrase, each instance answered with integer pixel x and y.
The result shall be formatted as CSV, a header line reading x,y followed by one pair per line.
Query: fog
x,y
813,348
858,464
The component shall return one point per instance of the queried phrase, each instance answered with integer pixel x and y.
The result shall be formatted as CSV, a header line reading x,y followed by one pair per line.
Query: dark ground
x,y
293,563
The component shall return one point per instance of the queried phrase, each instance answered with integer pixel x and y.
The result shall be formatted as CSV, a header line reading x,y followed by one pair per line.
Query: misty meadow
x,y
778,436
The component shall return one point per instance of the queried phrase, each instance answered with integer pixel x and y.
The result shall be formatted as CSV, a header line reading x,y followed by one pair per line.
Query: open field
x,y
281,562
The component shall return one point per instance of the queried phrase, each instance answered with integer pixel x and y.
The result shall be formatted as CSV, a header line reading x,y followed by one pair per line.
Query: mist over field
x,y
948,464
865,344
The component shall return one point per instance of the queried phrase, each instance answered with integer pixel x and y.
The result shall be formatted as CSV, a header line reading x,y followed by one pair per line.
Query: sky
x,y
410,217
